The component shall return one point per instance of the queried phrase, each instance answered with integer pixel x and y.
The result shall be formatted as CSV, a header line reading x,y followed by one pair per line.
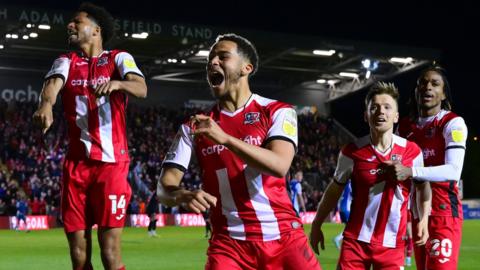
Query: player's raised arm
x,y
43,116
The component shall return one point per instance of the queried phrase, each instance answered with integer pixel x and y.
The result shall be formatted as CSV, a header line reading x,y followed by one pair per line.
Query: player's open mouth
x,y
216,78
380,120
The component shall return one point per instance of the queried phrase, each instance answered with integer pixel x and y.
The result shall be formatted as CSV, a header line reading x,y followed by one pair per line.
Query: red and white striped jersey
x,y
251,205
379,205
436,135
96,126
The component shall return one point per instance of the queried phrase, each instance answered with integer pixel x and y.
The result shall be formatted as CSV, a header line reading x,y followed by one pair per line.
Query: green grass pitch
x,y
175,248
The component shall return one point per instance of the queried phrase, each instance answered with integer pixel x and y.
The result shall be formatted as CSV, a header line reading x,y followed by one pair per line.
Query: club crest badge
x,y
102,61
430,132
251,118
396,157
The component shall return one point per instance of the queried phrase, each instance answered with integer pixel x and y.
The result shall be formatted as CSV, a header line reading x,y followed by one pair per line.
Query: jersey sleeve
x,y
126,64
344,169
455,134
180,151
284,126
60,68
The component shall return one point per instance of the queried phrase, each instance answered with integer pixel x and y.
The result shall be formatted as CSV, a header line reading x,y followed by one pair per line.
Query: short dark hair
x,y
101,17
244,47
446,103
380,88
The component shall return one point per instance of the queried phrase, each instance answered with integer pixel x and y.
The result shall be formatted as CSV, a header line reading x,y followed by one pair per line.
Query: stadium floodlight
x,y
366,63
348,74
324,52
401,60
126,34
1,46
332,82
29,25
202,53
14,36
8,35
142,35
321,81
367,75
174,60
25,37
370,64
44,27
33,35
183,61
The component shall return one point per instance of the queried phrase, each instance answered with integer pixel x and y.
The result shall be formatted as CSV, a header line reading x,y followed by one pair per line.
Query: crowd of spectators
x,y
31,163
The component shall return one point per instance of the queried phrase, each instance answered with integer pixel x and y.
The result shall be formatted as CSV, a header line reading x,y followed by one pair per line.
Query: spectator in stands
x,y
22,212
296,192
152,212
3,207
96,84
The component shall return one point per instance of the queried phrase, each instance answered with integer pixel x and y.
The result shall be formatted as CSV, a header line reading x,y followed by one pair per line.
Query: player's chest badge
x,y
251,118
396,157
430,132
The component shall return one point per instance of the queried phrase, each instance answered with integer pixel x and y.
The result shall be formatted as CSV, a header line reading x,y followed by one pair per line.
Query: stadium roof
x,y
172,52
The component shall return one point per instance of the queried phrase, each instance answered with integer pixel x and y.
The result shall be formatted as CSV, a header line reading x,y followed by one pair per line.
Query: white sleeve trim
x,y
61,66
126,64
180,151
455,132
344,169
284,124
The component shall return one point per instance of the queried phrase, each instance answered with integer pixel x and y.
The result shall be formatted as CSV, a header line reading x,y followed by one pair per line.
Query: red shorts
x,y
356,254
94,192
290,252
443,245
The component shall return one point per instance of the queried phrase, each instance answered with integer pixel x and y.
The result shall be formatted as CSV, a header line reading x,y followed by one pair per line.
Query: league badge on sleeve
x,y
129,63
457,136
289,125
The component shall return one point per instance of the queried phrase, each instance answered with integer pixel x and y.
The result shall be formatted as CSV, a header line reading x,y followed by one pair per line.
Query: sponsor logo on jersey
x,y
218,148
378,171
81,63
251,118
371,158
213,149
102,61
253,140
427,153
93,82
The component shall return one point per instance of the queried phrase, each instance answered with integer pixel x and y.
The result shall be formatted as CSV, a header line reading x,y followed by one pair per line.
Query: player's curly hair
x,y
244,47
101,17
